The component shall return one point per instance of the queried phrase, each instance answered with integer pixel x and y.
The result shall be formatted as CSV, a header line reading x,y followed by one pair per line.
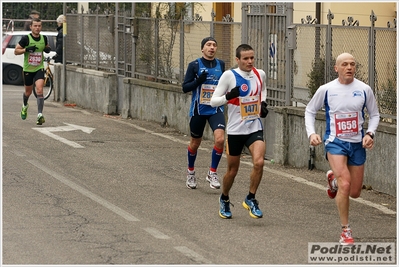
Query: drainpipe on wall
x,y
318,12
317,33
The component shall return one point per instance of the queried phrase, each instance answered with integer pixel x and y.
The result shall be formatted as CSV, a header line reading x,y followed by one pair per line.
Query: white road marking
x,y
18,153
304,181
155,233
192,255
85,192
295,178
69,127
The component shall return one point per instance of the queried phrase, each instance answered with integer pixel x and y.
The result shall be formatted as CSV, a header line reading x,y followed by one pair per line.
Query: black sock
x,y
25,98
345,226
223,197
251,196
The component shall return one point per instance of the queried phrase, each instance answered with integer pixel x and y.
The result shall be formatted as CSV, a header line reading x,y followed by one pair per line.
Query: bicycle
x,y
48,81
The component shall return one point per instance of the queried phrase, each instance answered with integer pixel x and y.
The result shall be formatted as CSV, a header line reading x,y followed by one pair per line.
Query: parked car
x,y
12,64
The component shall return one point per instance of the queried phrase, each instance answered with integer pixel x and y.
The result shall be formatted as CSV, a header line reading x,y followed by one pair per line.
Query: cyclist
x,y
32,46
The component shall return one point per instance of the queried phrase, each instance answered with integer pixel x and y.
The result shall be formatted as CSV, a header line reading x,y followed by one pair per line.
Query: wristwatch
x,y
370,134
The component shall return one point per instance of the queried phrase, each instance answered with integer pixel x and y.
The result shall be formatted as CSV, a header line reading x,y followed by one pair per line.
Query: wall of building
x,y
361,11
385,11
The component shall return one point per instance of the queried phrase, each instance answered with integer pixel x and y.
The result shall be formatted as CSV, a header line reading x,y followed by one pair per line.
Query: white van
x,y
12,64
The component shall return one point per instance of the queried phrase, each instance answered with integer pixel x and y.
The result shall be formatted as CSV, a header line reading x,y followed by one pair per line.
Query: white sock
x,y
334,184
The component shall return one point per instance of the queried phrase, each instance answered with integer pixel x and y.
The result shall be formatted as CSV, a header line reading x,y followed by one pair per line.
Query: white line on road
x,y
85,192
18,153
295,178
69,127
155,233
193,255
304,181
59,138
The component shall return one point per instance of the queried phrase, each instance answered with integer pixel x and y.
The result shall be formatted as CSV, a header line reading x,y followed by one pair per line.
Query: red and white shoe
x,y
331,190
346,238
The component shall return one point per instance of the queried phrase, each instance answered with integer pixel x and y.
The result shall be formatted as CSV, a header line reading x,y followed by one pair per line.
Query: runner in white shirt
x,y
244,91
345,100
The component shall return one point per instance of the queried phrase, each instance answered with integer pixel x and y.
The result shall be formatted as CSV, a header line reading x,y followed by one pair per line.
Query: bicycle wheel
x,y
47,87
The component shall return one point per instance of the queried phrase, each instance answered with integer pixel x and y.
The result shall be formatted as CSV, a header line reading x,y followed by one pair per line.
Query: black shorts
x,y
198,122
235,143
31,77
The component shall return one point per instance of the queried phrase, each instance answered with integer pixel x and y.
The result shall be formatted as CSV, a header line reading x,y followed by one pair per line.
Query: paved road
x,y
85,188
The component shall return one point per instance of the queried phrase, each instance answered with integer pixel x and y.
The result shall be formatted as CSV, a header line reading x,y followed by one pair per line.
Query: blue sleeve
x,y
222,65
190,82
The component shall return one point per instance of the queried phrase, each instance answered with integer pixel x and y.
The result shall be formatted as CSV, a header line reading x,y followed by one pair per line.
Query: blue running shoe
x,y
224,210
252,206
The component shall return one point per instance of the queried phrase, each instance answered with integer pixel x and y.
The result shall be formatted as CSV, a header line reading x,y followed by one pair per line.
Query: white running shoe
x,y
213,180
191,182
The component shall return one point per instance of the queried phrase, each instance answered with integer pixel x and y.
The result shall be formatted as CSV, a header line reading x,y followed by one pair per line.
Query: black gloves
x,y
47,49
202,78
33,48
235,92
263,109
30,49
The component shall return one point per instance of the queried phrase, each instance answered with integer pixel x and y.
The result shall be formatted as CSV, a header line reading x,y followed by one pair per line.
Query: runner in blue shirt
x,y
201,78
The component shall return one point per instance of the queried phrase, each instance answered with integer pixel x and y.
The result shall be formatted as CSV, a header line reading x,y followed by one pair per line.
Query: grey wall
x,y
291,147
146,100
87,88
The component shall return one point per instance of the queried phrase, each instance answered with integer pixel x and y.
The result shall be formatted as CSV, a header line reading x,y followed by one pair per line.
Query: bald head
x,y
345,66
342,57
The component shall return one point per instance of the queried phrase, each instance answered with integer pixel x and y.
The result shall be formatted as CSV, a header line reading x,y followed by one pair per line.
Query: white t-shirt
x,y
243,111
345,110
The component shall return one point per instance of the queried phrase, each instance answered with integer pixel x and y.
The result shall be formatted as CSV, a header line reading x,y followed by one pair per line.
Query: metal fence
x,y
265,27
160,49
374,49
90,41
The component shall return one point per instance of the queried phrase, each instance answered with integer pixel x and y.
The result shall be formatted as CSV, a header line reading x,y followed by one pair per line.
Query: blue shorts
x,y
355,152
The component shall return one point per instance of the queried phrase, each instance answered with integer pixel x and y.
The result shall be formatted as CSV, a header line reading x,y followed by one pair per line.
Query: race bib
x,y
35,58
206,93
249,107
346,124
